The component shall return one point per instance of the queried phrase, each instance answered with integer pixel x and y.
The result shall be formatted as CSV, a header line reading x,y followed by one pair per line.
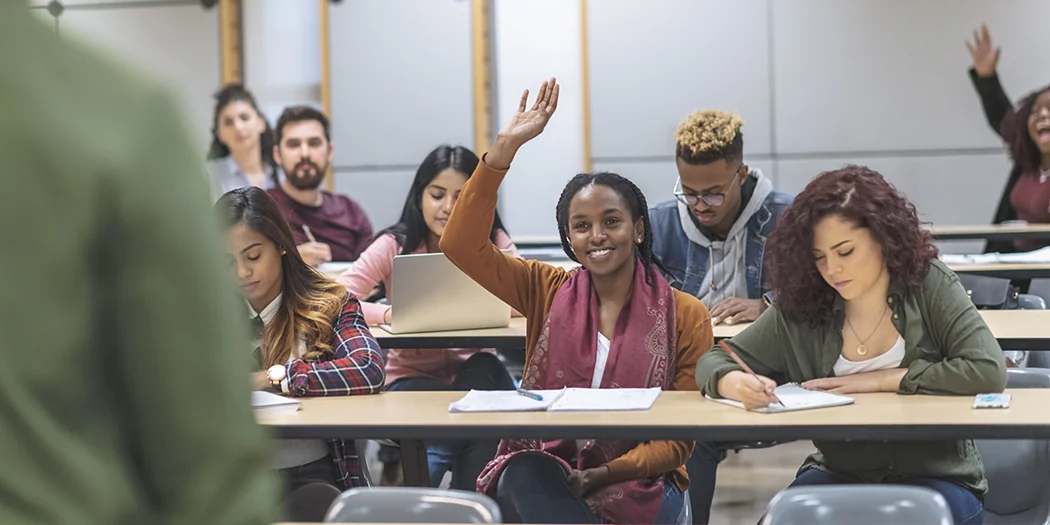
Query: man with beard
x,y
326,227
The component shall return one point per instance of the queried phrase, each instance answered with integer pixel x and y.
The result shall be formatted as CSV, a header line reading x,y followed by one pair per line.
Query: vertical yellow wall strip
x,y
231,41
586,88
326,78
481,26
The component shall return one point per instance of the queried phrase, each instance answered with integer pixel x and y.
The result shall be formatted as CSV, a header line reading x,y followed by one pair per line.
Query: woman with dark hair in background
x,y
241,152
1026,130
430,200
310,338
864,305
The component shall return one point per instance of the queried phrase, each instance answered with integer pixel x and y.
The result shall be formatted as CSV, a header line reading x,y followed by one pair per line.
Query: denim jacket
x,y
687,261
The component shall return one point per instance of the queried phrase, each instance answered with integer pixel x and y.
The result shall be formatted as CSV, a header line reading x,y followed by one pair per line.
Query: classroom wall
x,y
818,82
175,42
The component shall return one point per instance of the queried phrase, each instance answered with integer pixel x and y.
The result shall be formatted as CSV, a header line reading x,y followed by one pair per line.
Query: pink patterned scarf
x,y
641,355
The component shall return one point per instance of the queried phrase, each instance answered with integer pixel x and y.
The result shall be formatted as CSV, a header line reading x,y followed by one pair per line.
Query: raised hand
x,y
526,124
985,56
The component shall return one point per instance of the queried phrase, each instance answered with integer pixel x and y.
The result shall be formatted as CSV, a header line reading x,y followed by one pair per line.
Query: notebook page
x,y
977,258
795,397
606,399
267,403
504,401
1041,255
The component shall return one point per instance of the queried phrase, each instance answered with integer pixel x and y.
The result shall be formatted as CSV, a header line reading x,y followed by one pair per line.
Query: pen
x,y
743,365
533,395
309,234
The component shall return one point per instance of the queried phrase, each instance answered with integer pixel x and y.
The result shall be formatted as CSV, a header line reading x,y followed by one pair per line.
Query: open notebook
x,y
564,400
795,397
267,403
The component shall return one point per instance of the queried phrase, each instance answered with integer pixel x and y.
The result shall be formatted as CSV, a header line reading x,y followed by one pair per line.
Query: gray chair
x,y
309,502
412,505
1018,470
1023,358
858,505
1041,288
686,516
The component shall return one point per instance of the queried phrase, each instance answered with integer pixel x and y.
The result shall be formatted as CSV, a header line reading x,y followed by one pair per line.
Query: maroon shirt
x,y
338,222
1030,198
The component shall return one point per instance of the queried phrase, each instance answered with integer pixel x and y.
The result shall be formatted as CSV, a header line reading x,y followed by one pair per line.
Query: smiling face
x,y
601,231
238,126
1039,123
847,257
439,197
257,263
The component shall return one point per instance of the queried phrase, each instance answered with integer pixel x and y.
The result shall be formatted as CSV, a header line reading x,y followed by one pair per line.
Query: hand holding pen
x,y
760,383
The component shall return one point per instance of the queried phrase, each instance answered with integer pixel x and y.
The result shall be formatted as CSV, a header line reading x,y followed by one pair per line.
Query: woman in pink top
x,y
434,191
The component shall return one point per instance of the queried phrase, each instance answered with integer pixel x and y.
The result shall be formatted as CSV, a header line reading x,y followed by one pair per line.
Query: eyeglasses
x,y
709,198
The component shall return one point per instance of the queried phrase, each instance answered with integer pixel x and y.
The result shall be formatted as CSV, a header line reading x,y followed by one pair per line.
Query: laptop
x,y
433,295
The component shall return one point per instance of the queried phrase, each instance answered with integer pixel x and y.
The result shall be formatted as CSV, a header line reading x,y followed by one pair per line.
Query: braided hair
x,y
635,203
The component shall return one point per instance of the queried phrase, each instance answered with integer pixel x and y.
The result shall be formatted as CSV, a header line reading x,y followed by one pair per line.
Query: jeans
x,y
465,458
966,508
702,467
534,488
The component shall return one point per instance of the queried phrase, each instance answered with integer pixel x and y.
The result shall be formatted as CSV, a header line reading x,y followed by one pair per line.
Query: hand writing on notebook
x,y
752,391
526,125
584,481
315,253
880,381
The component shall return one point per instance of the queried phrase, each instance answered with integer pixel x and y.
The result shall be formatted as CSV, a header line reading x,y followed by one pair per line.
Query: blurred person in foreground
x,y
123,398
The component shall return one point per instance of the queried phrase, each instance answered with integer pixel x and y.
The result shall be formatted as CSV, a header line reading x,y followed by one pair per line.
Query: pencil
x,y
743,365
309,234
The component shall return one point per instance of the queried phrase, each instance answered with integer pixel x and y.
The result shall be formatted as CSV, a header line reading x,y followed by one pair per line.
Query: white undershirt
x,y
600,360
291,452
891,359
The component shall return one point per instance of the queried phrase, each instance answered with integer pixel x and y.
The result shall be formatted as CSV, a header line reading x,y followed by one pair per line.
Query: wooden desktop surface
x,y
992,231
676,415
1015,330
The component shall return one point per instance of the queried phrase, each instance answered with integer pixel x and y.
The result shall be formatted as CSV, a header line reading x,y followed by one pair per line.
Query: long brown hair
x,y
310,301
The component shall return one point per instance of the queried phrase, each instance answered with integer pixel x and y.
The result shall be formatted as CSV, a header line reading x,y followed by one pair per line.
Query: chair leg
x,y
414,463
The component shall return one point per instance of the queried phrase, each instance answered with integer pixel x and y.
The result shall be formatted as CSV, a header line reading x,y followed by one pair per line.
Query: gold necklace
x,y
862,349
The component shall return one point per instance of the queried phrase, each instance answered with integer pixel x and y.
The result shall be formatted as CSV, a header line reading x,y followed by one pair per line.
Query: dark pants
x,y
465,458
702,468
534,488
966,508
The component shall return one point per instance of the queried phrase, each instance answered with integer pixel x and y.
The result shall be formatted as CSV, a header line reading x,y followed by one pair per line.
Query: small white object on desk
x,y
794,398
1039,256
334,268
564,400
267,403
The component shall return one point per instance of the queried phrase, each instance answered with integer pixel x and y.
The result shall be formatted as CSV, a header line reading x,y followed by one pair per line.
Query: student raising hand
x,y
985,56
525,125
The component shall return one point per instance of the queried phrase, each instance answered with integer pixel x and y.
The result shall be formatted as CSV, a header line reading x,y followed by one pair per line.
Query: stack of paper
x,y
565,400
795,397
267,403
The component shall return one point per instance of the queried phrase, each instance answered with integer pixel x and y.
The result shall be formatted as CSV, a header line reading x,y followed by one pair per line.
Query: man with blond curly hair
x,y
711,240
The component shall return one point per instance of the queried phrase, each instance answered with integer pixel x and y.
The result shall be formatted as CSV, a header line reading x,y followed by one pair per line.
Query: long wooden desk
x,y
992,232
1005,270
676,415
1014,329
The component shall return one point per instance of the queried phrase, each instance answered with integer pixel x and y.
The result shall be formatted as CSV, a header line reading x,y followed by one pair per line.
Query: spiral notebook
x,y
794,398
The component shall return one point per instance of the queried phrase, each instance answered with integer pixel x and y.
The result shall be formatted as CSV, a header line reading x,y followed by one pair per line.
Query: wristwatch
x,y
276,374
768,298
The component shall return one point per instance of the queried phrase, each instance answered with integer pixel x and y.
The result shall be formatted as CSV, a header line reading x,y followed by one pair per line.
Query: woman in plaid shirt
x,y
310,336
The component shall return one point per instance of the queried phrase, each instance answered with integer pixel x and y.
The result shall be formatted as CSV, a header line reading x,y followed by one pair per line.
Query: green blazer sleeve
x,y
181,367
972,361
760,345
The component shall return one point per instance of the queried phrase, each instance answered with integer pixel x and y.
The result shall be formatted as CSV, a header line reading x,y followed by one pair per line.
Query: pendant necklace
x,y
862,349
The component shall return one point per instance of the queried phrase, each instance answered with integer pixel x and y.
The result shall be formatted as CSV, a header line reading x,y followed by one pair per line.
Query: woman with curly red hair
x,y
863,305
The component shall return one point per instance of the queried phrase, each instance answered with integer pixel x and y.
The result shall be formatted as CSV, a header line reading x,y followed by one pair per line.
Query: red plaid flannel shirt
x,y
356,368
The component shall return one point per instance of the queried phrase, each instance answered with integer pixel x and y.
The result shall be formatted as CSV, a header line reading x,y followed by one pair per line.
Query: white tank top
x,y
891,359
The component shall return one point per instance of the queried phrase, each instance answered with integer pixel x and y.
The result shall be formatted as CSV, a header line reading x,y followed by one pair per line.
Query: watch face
x,y
276,373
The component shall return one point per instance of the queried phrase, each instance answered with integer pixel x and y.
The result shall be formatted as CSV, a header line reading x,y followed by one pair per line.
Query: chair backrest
x,y
857,505
1018,470
309,502
1041,288
412,505
1027,301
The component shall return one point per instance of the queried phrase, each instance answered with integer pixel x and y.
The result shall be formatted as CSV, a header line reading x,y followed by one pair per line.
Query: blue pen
x,y
533,395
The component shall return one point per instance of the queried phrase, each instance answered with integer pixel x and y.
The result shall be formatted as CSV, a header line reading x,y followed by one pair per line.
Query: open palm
x,y
985,55
525,125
